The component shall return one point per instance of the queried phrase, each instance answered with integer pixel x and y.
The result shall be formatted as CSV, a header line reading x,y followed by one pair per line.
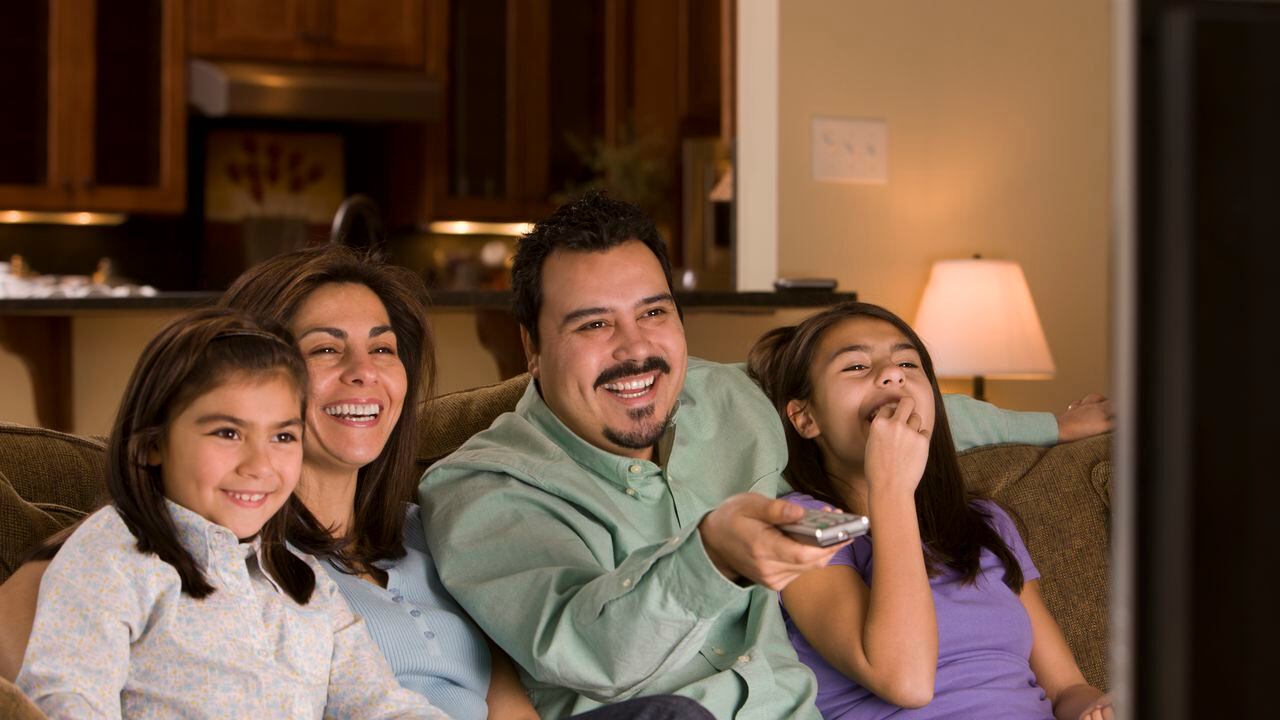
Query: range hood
x,y
220,89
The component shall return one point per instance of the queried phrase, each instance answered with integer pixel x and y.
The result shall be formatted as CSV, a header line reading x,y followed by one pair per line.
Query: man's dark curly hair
x,y
592,223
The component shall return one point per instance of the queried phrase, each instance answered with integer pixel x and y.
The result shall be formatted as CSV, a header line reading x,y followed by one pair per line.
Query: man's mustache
x,y
617,372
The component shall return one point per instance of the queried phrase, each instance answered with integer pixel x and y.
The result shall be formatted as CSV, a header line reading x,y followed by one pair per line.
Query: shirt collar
x,y
212,545
642,479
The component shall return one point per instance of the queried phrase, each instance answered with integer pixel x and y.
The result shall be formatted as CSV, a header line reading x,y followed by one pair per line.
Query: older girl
x,y
951,622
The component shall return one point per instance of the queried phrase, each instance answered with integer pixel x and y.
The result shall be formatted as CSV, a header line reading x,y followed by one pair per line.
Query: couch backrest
x,y
448,420
1060,497
48,480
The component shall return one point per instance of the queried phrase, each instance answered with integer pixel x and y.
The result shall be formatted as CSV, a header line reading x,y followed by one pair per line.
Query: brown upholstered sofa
x,y
1061,495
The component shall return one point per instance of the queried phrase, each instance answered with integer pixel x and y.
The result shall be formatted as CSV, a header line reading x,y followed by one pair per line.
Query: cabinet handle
x,y
87,184
315,37
68,187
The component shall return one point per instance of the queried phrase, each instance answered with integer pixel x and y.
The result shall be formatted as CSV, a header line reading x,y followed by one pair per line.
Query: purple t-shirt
x,y
984,641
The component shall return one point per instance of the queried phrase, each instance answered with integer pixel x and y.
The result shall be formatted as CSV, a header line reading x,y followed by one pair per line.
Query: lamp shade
x,y
977,318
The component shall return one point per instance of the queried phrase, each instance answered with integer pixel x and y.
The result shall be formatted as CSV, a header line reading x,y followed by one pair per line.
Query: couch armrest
x,y
15,706
1060,497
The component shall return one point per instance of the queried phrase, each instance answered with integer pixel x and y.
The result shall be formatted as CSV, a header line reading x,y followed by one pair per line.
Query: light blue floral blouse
x,y
114,636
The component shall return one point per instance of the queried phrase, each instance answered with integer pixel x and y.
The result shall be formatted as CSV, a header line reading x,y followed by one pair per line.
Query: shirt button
x,y
718,651
631,492
744,658
429,635
634,468
397,598
415,612
626,582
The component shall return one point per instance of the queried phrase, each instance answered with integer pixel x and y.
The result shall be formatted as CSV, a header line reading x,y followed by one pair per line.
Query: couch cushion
x,y
23,524
15,706
1060,499
48,480
448,420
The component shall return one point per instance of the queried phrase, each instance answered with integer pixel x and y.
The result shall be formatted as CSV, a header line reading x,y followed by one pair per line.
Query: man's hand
x,y
1086,417
740,538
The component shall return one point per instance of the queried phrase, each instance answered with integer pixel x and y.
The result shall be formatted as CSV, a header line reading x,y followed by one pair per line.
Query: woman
x,y
361,326
938,612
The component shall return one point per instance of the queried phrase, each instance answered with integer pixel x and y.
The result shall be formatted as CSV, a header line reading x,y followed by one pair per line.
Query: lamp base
x,y
979,388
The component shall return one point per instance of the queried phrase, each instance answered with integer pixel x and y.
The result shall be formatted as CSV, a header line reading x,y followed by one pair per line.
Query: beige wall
x,y
998,114
105,347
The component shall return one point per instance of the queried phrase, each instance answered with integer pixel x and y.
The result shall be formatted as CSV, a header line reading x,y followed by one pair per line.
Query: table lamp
x,y
978,320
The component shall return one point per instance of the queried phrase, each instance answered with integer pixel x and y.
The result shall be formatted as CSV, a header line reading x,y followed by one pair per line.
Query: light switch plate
x,y
851,150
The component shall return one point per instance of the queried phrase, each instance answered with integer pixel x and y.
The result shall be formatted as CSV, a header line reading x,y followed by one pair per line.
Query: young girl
x,y
951,621
180,599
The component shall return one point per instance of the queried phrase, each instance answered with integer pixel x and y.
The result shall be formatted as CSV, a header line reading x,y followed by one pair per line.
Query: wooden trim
x,y
78,44
528,70
728,73
683,54
436,30
436,160
62,96
617,79
169,196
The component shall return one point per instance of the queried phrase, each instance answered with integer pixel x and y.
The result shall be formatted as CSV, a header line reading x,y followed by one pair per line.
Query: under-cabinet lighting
x,y
466,227
26,217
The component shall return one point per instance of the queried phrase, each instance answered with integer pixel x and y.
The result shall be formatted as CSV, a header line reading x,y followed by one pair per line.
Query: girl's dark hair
x,y
277,289
188,358
954,532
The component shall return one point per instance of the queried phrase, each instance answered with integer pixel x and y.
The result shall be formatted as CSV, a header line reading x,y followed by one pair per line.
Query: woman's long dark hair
x,y
188,358
954,532
276,289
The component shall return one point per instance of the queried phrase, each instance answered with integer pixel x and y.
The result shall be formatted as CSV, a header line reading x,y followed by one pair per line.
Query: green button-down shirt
x,y
587,567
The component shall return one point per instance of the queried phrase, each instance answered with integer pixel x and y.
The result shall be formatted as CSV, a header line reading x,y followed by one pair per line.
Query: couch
x,y
1060,496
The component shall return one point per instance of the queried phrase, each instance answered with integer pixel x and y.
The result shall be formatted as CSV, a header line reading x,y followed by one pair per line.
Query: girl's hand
x,y
1100,709
897,448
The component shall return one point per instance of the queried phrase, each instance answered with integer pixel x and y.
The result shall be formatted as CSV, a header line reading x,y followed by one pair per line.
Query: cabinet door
x,y
131,134
246,29
390,32
34,146
381,32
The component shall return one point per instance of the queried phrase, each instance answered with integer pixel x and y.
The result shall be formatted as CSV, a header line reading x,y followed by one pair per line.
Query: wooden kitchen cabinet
x,y
392,33
530,83
97,111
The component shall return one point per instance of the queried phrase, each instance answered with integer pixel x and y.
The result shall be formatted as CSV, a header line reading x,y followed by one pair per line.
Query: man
x,y
615,534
